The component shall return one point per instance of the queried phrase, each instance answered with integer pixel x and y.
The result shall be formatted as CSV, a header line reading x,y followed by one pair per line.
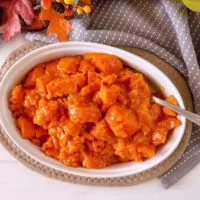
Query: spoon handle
x,y
188,115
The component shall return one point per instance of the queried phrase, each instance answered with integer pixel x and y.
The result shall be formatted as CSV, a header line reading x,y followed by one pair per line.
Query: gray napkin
x,y
160,27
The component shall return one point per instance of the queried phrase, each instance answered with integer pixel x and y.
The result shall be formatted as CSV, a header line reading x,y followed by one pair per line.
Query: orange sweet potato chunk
x,y
71,128
17,95
51,68
159,135
37,72
102,131
168,111
83,114
146,150
105,63
69,65
80,79
46,112
109,94
109,79
127,151
169,123
86,67
123,122
156,111
31,98
41,84
141,138
61,87
27,128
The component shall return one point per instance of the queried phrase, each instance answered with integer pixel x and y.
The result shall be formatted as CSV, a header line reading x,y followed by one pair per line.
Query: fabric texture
x,y
160,27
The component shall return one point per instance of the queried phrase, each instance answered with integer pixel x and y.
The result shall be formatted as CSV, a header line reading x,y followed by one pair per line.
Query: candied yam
x,y
75,145
105,63
156,111
98,145
41,84
137,82
27,128
140,137
127,151
71,154
46,112
17,95
30,111
49,148
71,128
69,64
109,94
123,99
125,77
122,121
145,117
145,129
81,110
87,90
94,80
80,79
83,114
31,98
96,99
146,150
40,132
77,100
73,160
109,79
97,160
139,101
102,131
170,123
36,141
167,111
171,99
61,87
86,67
159,136
17,110
60,137
90,161
51,68
37,72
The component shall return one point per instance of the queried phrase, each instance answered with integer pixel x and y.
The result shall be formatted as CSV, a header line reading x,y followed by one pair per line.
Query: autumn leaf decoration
x,y
57,23
14,10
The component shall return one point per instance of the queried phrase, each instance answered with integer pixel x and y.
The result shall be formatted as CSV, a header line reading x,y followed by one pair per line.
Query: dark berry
x,y
69,7
58,7
3,16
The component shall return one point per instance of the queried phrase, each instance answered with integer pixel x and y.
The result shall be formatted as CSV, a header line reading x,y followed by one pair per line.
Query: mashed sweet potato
x,y
90,111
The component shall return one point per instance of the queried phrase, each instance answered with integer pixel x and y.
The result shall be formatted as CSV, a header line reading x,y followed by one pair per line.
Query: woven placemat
x,y
121,181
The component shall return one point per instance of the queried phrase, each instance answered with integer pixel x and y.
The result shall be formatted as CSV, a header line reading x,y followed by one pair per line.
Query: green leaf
x,y
193,5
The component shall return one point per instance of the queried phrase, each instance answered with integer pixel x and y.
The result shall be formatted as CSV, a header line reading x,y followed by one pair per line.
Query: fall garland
x,y
54,15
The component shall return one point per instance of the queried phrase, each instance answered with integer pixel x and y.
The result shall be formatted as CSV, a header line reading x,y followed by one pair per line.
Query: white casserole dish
x,y
54,51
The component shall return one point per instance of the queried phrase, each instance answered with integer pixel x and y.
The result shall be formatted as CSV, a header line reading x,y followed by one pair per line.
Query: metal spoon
x,y
188,115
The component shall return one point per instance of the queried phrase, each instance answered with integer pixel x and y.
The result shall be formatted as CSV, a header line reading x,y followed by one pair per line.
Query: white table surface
x,y
18,182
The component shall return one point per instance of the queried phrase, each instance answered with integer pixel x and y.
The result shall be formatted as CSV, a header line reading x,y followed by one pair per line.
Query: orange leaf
x,y
57,23
59,26
45,14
